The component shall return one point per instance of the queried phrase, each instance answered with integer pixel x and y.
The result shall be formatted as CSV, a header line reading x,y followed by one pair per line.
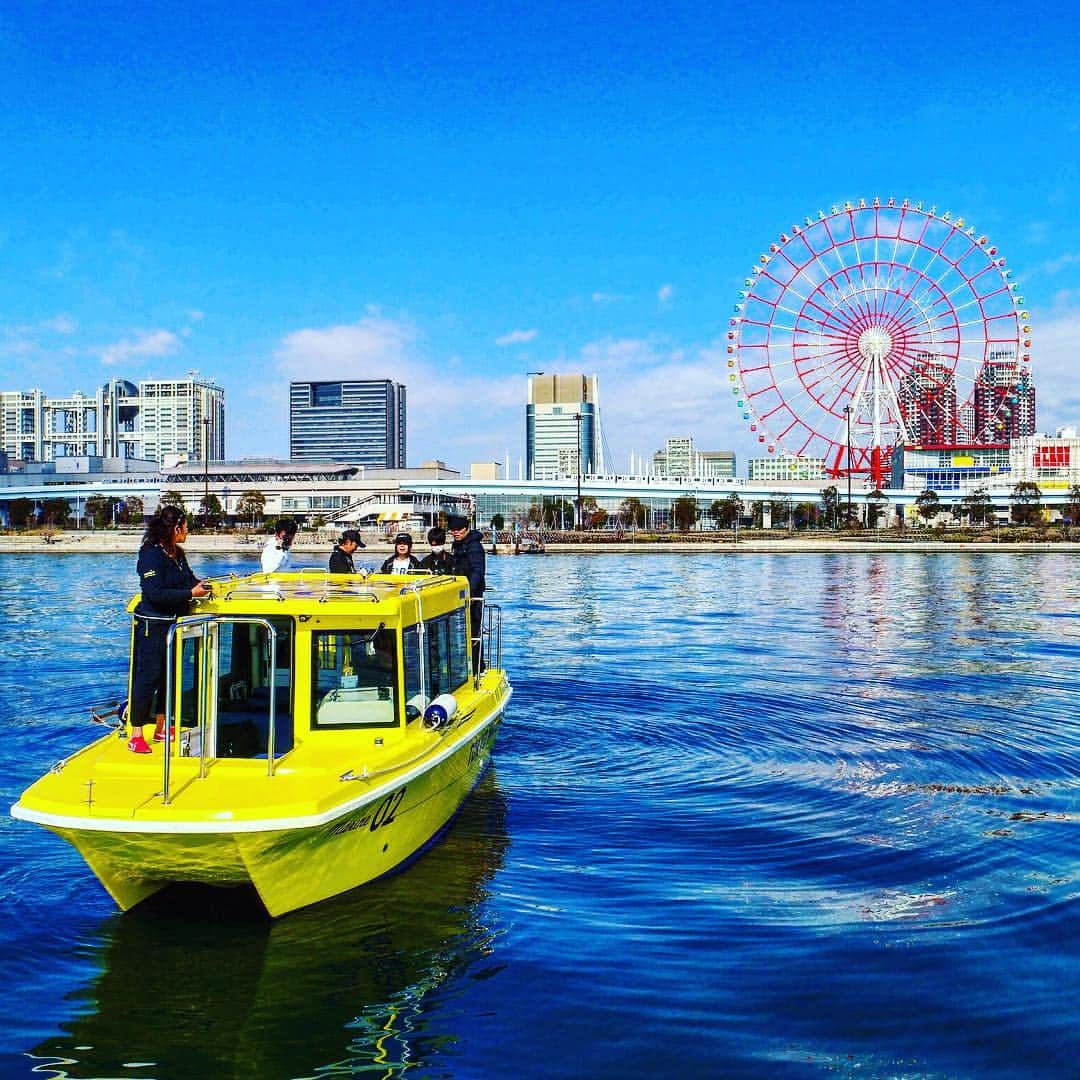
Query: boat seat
x,y
367,706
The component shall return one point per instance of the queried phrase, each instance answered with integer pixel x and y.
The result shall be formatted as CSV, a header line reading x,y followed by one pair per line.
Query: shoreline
x,y
102,542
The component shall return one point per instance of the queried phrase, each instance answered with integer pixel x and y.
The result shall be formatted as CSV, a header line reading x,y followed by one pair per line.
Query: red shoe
x,y
159,733
138,745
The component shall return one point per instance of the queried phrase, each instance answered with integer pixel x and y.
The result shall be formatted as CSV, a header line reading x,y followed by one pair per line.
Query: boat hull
x,y
294,867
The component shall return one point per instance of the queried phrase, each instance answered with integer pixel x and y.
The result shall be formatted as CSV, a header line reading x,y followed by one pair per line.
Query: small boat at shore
x,y
529,545
325,729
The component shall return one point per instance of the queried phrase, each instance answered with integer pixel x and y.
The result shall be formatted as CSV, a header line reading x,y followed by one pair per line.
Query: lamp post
x,y
577,417
847,412
206,471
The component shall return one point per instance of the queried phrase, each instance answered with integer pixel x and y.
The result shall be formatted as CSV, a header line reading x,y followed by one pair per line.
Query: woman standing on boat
x,y
403,560
168,587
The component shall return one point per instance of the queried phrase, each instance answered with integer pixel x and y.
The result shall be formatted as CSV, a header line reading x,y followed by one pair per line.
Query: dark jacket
x,y
388,566
341,562
469,561
442,563
166,582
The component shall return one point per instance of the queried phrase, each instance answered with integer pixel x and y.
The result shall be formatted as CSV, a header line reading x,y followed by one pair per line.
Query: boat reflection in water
x,y
197,982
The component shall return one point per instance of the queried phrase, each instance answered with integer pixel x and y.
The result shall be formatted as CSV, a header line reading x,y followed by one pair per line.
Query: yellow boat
x,y
326,728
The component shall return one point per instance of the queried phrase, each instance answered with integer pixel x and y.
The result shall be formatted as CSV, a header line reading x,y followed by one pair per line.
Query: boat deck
x,y
105,782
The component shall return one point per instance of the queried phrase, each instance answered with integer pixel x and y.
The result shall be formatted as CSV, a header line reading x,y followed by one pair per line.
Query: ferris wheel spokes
x,y
872,326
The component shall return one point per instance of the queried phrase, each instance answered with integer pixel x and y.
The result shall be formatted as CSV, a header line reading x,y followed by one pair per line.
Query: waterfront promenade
x,y
308,551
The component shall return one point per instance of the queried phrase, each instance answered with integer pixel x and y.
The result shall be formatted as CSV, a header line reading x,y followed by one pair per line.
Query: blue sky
x,y
456,194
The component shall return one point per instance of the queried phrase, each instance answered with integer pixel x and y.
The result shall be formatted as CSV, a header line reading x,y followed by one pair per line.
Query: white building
x,y
157,420
181,417
353,495
786,467
681,459
562,417
1051,461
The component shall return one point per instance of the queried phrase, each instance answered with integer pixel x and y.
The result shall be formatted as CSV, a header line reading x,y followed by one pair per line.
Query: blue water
x,y
749,816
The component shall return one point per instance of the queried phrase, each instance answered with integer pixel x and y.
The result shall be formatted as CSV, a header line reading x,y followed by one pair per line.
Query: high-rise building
x,y
1004,400
680,459
178,418
361,422
562,417
928,400
156,420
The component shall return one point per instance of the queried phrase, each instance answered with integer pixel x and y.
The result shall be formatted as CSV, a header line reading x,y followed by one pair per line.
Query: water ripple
x,y
751,816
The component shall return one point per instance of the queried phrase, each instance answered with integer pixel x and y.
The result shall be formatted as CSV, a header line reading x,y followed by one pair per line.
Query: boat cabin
x,y
271,660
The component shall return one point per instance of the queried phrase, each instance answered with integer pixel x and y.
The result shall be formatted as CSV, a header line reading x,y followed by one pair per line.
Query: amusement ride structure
x,y
875,326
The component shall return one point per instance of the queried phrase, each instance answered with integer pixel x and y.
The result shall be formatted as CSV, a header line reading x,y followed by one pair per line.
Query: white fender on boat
x,y
440,711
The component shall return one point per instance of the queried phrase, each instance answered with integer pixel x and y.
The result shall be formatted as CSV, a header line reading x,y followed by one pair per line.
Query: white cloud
x,y
195,315
18,347
450,410
1037,232
61,324
373,348
606,298
665,293
1054,356
1062,262
516,337
650,389
58,324
151,343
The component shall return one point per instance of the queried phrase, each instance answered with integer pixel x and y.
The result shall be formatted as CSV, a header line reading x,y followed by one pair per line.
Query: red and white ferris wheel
x,y
876,325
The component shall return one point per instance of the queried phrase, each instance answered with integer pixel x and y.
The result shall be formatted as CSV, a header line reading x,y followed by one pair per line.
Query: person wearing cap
x,y
341,558
168,586
469,562
440,560
403,560
275,555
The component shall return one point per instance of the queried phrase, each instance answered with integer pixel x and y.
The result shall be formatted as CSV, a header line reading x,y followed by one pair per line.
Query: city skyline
x,y
451,202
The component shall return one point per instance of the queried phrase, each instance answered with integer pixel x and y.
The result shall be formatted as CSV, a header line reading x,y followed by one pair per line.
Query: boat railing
x,y
421,579
273,590
490,640
200,626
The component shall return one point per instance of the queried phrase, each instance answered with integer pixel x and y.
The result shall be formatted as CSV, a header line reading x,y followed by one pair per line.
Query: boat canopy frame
x,y
200,627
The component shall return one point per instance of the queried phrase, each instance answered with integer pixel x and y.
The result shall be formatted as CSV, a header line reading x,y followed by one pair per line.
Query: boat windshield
x,y
354,679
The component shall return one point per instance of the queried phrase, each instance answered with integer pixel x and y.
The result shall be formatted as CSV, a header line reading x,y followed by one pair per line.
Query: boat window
x,y
447,655
459,648
354,679
245,684
411,642
438,639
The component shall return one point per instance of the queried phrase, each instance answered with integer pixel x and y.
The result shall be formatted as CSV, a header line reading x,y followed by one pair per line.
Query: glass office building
x,y
562,420
361,422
